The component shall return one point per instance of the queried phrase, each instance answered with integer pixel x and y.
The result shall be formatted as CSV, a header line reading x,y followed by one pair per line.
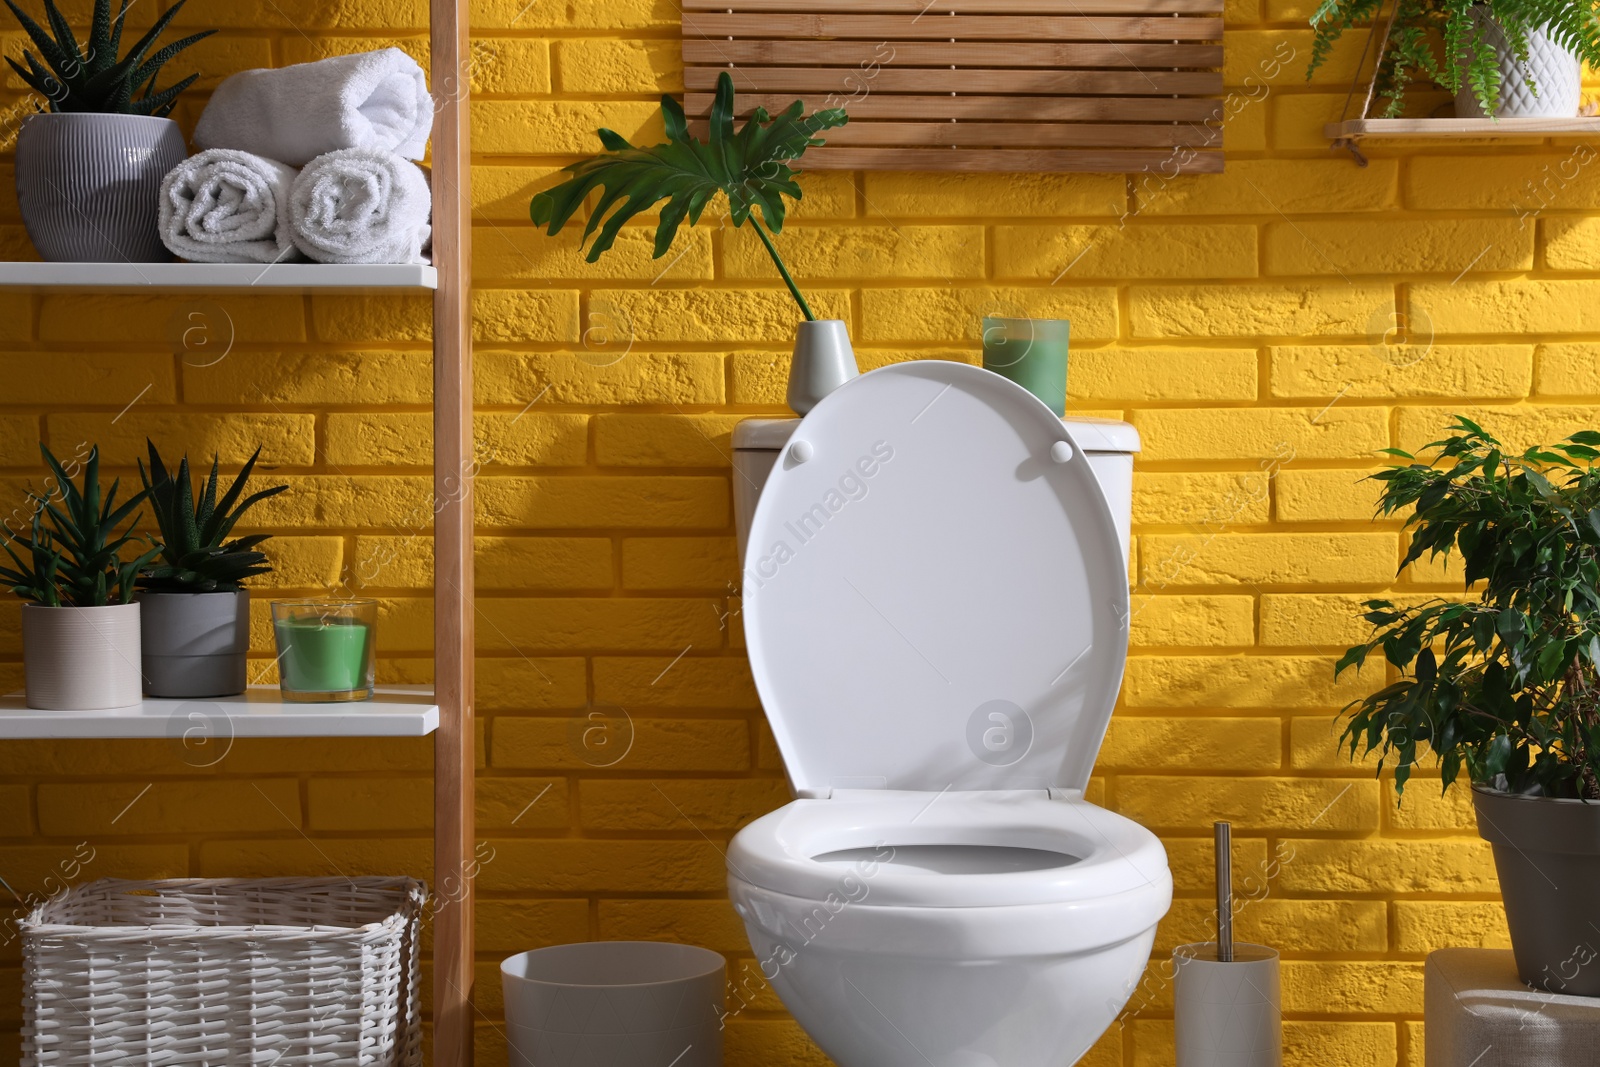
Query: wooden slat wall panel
x,y
974,85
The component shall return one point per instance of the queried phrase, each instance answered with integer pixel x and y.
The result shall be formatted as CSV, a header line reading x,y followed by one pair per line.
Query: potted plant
x,y
1511,58
1505,683
751,168
196,610
80,625
89,170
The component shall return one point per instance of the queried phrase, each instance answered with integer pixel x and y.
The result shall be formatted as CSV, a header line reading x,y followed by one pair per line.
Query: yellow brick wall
x,y
1266,330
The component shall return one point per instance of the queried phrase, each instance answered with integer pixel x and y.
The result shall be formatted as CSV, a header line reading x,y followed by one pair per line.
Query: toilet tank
x,y
1110,446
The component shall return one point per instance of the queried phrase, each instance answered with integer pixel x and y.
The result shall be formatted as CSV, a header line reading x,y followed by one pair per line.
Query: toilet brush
x,y
1226,993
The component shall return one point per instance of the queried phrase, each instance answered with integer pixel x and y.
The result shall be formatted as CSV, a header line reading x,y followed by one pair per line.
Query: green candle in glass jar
x,y
325,649
1032,353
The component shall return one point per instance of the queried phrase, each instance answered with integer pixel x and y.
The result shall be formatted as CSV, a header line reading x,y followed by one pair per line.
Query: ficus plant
x,y
1446,42
750,167
1504,683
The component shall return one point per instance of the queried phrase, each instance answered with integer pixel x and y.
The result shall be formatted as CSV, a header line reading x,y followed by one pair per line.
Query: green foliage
x,y
1425,33
1503,683
73,551
93,79
196,556
750,167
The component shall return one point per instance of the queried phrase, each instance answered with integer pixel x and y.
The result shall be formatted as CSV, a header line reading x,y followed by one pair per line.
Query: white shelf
x,y
295,276
259,712
1459,129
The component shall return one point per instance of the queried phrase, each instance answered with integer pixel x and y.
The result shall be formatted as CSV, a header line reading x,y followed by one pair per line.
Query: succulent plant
x,y
196,556
96,80
74,554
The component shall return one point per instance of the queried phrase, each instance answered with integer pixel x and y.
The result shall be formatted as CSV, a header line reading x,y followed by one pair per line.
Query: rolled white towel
x,y
361,206
223,206
369,100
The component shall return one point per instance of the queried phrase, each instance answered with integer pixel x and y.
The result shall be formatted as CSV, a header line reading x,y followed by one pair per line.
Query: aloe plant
x,y
72,553
93,78
196,556
751,167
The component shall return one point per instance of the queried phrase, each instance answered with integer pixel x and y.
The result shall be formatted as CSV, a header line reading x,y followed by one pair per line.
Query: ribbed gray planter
x,y
90,185
1547,854
195,644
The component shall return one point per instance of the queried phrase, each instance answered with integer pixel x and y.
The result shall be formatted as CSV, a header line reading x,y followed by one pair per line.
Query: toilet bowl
x,y
936,611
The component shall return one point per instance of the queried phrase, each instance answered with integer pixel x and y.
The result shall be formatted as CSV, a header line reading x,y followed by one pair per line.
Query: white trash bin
x,y
615,1004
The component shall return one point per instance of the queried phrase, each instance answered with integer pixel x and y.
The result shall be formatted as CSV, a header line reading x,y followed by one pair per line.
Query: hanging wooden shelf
x,y
1458,129
303,277
975,85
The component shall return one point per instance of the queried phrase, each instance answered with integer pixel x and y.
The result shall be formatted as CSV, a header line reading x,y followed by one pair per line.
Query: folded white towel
x,y
361,206
223,206
294,114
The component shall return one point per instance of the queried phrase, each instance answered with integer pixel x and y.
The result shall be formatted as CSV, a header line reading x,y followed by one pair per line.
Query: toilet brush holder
x,y
1228,1013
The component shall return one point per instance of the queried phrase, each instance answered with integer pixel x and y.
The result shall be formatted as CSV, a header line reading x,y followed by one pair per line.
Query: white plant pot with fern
x,y
81,659
1548,85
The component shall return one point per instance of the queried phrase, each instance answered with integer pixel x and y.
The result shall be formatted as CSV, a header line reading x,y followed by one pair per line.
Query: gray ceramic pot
x,y
823,361
195,644
90,185
1547,854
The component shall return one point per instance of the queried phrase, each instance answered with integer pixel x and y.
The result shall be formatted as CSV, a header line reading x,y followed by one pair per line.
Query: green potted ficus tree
x,y
1504,685
751,169
196,610
89,169
80,625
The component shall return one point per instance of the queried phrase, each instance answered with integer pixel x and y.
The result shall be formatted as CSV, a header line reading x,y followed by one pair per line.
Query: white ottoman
x,y
1479,1014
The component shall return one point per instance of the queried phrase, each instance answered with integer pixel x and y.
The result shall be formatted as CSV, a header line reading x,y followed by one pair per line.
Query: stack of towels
x,y
311,161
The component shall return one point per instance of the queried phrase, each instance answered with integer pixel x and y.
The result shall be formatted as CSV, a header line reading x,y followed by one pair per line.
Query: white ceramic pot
x,y
81,659
1553,71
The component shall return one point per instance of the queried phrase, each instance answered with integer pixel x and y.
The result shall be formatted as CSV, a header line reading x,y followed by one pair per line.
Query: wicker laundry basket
x,y
225,973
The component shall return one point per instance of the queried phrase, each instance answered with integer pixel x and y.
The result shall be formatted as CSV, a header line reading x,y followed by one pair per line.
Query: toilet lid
x,y
935,595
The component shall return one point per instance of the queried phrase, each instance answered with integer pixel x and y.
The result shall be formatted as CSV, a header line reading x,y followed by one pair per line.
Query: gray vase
x,y
195,644
1547,854
823,361
90,185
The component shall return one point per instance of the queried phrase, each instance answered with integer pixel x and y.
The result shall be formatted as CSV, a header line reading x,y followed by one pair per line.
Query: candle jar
x,y
326,649
1032,353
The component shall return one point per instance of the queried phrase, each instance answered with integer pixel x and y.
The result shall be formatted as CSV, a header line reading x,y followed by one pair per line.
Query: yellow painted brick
x,y
310,15
898,196
506,254
826,195
1239,682
1322,619
957,314
146,321
1142,374
771,1043
1395,246
369,804
502,193
1251,804
573,624
502,439
1376,866
516,925
1211,499
529,564
1296,121
691,682
522,803
1416,369
721,316
1270,437
604,867
1422,926
374,317
169,807
38,870
302,48
604,67
933,253
1266,186
559,127
509,65
507,316
1567,370
608,736
1413,1051
1271,558
607,371
1161,250
1352,987
1519,185
709,923
284,440
1522,306
19,441
522,684
1276,57
16,317
631,502
611,15
16,811
1339,1044
1135,742
681,804
1184,621
342,500
303,562
664,440
1425,806
320,377
1518,427
1314,740
111,379
11,626
1193,862
1259,310
217,57
1325,496
352,857
707,564
1319,926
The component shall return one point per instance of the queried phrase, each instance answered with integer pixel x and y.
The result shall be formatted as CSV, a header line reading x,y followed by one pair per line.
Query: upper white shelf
x,y
1448,129
258,712
300,276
